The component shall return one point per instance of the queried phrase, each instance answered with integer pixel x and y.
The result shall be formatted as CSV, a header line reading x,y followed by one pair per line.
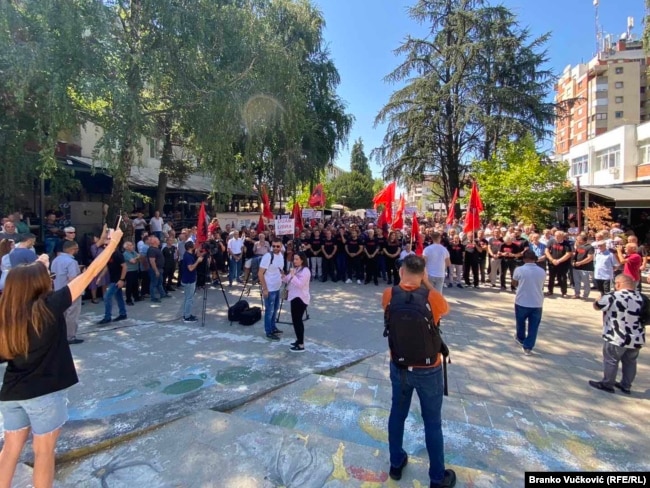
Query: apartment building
x,y
607,92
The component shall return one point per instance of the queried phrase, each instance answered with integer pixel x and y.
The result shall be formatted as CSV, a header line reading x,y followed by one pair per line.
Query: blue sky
x,y
362,34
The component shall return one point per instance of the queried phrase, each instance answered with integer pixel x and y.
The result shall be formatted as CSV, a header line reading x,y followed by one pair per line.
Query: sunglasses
x,y
277,247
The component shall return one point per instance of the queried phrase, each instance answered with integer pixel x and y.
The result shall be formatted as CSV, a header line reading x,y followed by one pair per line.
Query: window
x,y
579,111
579,166
154,149
644,152
643,89
609,158
619,114
618,84
619,70
618,99
601,116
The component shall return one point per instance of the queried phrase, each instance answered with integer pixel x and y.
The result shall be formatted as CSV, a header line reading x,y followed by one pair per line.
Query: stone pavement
x,y
319,418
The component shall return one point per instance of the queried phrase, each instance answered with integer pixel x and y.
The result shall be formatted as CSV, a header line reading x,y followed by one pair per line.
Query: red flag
x,y
267,212
260,224
296,214
398,221
386,196
416,238
381,221
452,209
202,226
475,207
317,198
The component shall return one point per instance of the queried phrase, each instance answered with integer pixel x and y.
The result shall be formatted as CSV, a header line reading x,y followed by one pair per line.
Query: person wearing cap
x,y
528,279
604,264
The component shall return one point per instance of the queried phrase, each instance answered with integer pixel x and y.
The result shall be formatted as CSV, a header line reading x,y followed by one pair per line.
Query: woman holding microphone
x,y
297,281
33,340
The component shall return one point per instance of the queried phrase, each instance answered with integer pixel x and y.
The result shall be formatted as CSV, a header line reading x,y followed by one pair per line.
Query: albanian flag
x,y
452,209
317,198
475,207
398,221
386,196
296,215
267,212
202,226
416,238
260,224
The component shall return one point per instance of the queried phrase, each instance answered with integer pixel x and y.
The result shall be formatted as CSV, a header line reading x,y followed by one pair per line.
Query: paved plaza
x,y
162,403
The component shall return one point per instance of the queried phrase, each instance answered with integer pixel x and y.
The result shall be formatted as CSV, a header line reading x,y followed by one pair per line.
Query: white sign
x,y
409,211
284,226
371,213
310,213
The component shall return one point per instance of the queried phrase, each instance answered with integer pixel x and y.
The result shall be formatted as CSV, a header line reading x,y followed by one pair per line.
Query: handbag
x,y
284,292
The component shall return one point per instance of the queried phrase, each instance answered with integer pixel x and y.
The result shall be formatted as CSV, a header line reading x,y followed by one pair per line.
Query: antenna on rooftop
x,y
599,29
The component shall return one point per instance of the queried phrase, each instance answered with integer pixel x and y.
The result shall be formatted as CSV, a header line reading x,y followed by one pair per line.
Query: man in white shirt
x,y
235,253
529,281
437,261
270,276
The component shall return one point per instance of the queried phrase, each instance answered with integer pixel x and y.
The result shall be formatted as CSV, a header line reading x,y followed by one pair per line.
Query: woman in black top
x,y
33,340
392,251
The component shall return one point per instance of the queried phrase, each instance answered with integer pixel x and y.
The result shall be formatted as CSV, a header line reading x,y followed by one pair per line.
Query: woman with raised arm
x,y
33,340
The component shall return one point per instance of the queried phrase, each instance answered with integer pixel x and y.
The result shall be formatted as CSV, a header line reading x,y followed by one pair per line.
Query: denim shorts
x,y
45,414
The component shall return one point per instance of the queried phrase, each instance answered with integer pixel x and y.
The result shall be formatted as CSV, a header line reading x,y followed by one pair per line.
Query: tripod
x,y
208,279
277,318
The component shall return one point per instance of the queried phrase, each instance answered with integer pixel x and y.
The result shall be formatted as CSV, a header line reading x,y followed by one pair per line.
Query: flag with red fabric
x,y
386,196
398,221
382,221
317,198
416,238
260,224
267,212
202,226
452,209
296,215
474,208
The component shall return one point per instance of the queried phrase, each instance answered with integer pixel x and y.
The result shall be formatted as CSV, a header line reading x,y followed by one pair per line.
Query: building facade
x,y
607,92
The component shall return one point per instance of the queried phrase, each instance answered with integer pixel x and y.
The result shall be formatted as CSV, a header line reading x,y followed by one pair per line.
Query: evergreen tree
x,y
359,160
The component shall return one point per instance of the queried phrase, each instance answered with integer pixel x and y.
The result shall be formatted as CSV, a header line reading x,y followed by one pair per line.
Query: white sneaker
x,y
358,282
348,281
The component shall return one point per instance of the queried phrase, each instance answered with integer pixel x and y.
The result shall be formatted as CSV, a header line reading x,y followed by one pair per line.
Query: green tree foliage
x,y
353,190
359,160
473,81
246,85
518,182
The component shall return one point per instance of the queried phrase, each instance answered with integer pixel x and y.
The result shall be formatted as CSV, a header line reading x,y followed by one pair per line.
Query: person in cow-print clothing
x,y
623,333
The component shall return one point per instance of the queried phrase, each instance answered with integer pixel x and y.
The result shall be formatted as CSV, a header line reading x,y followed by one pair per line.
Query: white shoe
x,y
358,282
348,281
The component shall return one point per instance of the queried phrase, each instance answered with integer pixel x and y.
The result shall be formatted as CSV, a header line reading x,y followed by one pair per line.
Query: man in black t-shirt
x,y
340,237
116,269
471,259
354,250
316,246
371,252
559,253
508,254
494,246
583,267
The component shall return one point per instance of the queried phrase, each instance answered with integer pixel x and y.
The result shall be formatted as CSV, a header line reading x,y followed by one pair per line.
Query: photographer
x,y
203,267
188,278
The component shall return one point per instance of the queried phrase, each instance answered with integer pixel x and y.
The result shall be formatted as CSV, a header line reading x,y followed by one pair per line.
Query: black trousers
x,y
329,268
603,286
507,265
473,265
559,273
168,277
372,270
391,269
132,291
298,308
355,268
144,282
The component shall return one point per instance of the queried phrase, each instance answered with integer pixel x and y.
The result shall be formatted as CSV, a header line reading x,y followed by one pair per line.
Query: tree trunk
x,y
165,166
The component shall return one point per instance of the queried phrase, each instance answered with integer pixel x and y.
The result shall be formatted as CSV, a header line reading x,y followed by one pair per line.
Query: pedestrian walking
x,y
529,281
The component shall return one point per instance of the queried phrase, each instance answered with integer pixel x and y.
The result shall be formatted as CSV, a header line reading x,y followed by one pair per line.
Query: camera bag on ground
x,y
413,337
250,316
234,312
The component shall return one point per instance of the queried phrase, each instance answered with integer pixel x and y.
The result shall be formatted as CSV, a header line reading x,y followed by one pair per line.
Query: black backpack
x,y
413,337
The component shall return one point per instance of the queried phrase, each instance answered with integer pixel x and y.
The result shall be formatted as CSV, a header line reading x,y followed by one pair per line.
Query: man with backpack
x,y
412,313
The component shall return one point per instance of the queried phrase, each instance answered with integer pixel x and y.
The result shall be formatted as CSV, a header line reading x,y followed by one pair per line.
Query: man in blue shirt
x,y
188,279
23,253
65,268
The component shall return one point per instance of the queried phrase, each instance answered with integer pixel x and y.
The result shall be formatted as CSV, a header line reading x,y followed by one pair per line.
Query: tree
x,y
518,182
598,217
352,189
358,159
475,80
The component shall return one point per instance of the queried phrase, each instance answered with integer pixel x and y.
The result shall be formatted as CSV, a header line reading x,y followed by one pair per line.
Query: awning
x,y
626,196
